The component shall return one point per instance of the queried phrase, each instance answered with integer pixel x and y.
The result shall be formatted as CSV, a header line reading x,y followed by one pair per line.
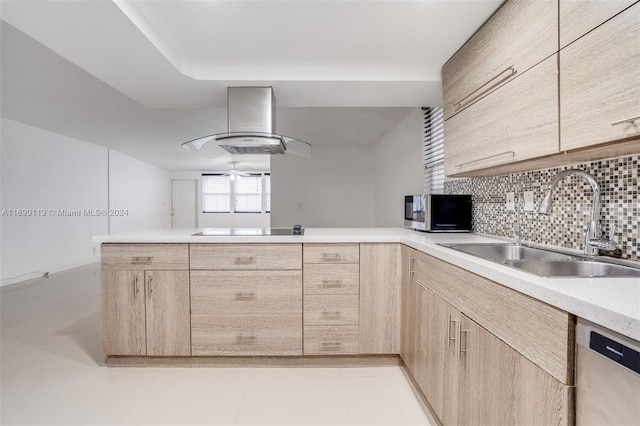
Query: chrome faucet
x,y
517,231
593,239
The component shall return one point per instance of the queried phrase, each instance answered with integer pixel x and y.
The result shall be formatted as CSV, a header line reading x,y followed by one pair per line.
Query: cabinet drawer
x,y
331,253
218,292
145,256
331,310
331,279
519,35
499,129
246,334
330,340
246,256
604,65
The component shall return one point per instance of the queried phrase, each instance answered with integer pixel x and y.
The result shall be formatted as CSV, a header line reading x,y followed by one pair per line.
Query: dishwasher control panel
x,y
615,351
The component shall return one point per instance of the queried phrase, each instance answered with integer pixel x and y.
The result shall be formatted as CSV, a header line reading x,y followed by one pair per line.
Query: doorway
x,y
184,203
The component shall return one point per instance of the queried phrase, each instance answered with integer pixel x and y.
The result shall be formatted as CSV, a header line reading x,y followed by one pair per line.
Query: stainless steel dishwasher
x,y
608,377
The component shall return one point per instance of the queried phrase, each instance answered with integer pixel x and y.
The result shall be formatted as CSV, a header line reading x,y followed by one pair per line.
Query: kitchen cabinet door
x,y
519,35
409,305
435,355
380,271
168,317
499,386
123,312
518,121
578,17
599,84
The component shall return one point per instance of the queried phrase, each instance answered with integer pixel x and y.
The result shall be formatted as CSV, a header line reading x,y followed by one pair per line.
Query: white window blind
x,y
216,193
248,194
433,153
267,192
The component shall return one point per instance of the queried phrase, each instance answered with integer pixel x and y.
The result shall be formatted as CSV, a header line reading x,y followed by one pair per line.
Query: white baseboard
x,y
50,270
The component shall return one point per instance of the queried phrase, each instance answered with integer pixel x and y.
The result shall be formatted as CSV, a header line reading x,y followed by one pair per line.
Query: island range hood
x,y
251,125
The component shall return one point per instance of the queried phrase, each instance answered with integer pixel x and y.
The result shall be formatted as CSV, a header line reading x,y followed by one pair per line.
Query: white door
x,y
183,203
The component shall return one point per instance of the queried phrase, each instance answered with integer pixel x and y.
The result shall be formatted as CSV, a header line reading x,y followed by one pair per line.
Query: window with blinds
x,y
216,193
248,194
267,192
433,150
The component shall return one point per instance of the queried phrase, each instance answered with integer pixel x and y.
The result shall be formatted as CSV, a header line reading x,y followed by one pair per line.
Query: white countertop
x,y
611,302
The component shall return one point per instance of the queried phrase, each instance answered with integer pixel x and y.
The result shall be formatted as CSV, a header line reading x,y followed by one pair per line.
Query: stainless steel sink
x,y
546,263
505,252
576,268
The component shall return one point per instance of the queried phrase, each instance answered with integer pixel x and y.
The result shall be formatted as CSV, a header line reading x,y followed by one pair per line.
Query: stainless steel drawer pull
x,y
449,333
243,296
136,286
334,257
331,283
330,345
244,260
512,154
141,260
331,315
246,339
460,350
149,286
630,120
494,82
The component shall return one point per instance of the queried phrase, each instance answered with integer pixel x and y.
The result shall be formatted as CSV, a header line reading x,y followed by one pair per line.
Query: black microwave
x,y
438,212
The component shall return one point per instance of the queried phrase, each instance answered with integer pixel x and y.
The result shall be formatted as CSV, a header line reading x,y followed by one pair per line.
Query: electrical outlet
x,y
528,201
511,201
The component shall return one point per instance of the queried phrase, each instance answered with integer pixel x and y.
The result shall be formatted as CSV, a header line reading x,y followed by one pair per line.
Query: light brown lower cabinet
x,y
146,312
468,375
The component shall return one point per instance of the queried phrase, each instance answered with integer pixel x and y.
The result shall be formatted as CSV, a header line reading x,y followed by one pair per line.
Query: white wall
x,y
140,189
334,188
44,170
399,170
222,220
51,172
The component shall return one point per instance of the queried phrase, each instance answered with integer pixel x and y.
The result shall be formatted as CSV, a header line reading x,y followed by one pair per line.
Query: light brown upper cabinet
x,y
578,17
516,122
600,84
519,35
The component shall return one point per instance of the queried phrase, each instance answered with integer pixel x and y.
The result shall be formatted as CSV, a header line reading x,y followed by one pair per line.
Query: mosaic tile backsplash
x,y
572,201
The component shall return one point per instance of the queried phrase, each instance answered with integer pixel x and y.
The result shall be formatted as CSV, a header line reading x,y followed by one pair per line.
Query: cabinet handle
x,y
331,283
244,260
328,315
330,345
630,120
246,296
460,350
246,339
333,257
141,260
136,286
493,82
149,286
449,333
490,157
410,270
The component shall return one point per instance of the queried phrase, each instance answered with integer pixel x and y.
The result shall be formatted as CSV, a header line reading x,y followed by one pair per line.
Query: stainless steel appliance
x,y
245,232
438,212
607,377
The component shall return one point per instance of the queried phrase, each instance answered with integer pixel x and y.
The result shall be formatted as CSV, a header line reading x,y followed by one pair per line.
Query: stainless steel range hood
x,y
251,124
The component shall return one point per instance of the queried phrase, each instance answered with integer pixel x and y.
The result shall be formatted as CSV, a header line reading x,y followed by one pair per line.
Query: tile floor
x,y
53,373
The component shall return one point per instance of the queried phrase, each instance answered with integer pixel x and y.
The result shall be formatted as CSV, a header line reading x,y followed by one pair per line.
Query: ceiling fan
x,y
235,174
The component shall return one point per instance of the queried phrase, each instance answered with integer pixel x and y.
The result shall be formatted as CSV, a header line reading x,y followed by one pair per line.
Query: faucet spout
x,y
593,230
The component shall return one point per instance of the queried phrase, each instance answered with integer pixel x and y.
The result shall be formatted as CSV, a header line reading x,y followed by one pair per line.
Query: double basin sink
x,y
546,263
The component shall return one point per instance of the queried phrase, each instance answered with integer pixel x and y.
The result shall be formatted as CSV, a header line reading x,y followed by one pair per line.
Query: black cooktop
x,y
245,232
